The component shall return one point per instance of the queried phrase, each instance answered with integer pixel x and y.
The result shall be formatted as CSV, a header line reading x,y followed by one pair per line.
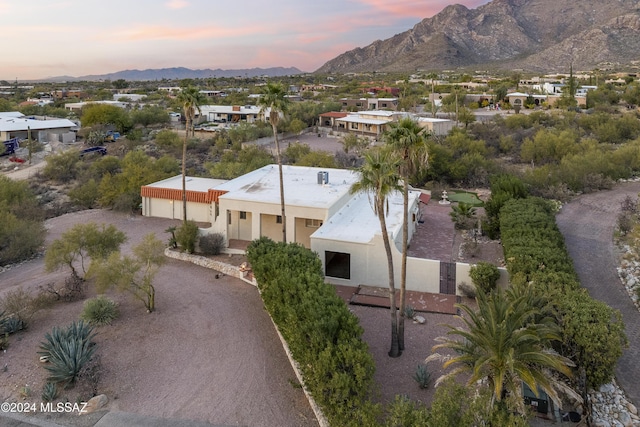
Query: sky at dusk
x,y
46,38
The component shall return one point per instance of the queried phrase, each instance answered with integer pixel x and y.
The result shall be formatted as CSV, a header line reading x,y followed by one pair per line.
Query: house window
x,y
367,127
278,219
337,264
354,126
314,223
229,217
243,215
217,209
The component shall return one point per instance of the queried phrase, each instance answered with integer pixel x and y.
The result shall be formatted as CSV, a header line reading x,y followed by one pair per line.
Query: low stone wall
x,y
227,269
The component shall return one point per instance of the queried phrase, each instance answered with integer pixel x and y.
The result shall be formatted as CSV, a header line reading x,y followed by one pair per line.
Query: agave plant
x,y
67,351
49,392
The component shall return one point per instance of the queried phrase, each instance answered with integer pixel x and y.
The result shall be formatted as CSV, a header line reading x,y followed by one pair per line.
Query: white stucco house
x,y
321,214
14,124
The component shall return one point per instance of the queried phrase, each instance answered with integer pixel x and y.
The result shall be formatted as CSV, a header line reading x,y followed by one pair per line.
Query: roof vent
x,y
323,178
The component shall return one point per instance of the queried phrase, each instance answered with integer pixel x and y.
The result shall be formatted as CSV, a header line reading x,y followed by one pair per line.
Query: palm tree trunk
x,y
184,174
403,272
395,346
279,159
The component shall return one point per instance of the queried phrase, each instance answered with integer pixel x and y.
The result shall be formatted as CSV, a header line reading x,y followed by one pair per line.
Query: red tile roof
x,y
176,194
335,114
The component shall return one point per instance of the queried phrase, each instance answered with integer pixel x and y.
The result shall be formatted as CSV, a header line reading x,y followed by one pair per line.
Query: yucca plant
x,y
67,351
49,392
422,376
100,311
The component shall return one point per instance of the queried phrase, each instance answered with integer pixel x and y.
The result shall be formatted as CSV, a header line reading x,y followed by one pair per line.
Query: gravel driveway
x,y
587,224
209,353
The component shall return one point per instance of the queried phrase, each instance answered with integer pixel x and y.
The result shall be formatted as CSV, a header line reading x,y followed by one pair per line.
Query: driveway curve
x,y
587,224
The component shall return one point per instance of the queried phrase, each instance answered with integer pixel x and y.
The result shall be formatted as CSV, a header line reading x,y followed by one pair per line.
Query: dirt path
x,y
209,352
587,224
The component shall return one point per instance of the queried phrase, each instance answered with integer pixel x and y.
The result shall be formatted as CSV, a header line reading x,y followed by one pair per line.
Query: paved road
x,y
587,224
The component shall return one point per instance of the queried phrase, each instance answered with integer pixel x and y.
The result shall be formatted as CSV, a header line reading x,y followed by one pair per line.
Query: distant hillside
x,y
535,35
180,73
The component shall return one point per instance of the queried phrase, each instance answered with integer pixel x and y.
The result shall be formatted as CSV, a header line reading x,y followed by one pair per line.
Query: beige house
x,y
321,214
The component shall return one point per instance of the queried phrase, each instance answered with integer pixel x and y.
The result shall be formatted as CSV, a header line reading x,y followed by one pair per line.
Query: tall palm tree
x,y
507,343
379,179
190,99
274,101
405,138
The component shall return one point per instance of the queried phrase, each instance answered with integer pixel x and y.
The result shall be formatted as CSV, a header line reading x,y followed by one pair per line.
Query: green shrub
x,y
187,236
49,392
422,376
323,335
484,276
212,244
592,332
409,312
100,311
67,351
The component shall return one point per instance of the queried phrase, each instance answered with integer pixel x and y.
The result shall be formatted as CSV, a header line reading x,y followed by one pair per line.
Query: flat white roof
x,y
228,109
9,123
192,183
356,221
301,186
382,113
358,119
432,120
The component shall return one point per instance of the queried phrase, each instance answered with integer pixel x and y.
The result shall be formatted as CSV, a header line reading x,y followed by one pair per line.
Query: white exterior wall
x,y
172,209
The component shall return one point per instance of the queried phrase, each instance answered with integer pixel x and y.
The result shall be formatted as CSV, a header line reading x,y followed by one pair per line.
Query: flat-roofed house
x,y
321,214
14,124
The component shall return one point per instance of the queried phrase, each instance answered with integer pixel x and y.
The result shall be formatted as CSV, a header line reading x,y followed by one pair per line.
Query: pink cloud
x,y
144,33
415,8
177,4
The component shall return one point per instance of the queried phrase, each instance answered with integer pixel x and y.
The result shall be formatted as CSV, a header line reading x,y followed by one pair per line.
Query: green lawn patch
x,y
464,196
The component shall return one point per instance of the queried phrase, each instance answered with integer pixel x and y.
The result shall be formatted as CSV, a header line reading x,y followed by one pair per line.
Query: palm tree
x,y
507,343
190,99
379,178
274,101
405,138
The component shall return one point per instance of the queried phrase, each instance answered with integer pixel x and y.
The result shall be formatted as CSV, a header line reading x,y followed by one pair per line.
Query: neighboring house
x,y
232,113
372,124
438,127
134,97
321,212
15,125
359,104
78,106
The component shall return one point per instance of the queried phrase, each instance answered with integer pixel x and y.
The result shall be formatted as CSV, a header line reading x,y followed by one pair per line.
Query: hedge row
x,y
593,332
323,335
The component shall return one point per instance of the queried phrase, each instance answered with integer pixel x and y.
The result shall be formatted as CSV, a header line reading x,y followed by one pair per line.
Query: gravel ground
x,y
209,352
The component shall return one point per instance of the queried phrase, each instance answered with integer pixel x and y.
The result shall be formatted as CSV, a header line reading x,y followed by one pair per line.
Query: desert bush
x,y
422,376
187,236
20,305
49,392
468,290
85,194
4,341
62,167
212,244
100,311
405,412
67,351
409,312
484,276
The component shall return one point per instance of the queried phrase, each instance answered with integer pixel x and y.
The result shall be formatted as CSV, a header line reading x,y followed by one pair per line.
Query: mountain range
x,y
178,73
533,35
